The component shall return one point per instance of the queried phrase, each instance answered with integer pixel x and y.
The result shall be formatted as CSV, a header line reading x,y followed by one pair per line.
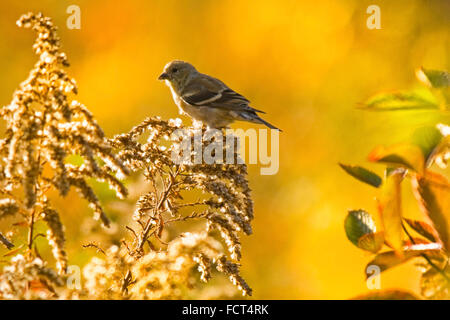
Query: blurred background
x,y
307,64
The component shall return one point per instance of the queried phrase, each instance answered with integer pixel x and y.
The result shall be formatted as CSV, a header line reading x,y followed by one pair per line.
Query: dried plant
x,y
224,205
43,127
162,274
28,279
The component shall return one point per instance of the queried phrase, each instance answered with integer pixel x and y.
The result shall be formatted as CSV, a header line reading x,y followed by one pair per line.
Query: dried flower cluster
x,y
221,193
28,279
43,127
163,274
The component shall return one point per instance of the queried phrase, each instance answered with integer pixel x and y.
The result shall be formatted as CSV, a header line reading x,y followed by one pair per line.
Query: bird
x,y
207,99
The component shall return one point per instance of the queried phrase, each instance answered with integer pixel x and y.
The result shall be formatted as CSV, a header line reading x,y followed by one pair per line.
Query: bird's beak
x,y
163,76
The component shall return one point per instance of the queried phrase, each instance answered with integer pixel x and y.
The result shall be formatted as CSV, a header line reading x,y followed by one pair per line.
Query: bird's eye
x,y
174,70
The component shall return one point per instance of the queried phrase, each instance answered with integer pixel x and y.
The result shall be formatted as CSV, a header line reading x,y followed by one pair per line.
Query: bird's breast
x,y
176,98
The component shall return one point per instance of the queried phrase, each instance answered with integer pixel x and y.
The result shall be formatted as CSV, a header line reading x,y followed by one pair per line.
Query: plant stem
x,y
426,257
33,211
30,231
148,225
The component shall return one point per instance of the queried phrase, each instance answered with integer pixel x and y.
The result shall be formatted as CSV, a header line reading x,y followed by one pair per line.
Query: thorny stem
x,y
148,226
425,256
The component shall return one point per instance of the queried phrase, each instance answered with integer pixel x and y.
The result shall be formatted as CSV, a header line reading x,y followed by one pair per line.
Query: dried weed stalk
x,y
44,126
222,202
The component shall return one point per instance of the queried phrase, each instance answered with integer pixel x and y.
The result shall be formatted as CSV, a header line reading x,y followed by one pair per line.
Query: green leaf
x,y
391,210
362,174
407,100
357,224
432,191
424,229
427,139
406,155
434,78
362,232
390,294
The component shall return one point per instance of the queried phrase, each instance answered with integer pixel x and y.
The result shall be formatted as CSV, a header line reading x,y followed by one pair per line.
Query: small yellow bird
x,y
207,99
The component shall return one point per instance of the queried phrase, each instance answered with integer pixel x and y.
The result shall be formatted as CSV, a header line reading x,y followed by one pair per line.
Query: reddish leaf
x,y
413,241
433,194
391,259
424,229
372,242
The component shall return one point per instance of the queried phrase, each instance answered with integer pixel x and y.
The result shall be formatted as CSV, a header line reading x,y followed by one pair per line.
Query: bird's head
x,y
177,73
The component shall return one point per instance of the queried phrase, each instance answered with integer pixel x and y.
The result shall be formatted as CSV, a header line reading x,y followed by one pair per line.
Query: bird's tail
x,y
257,119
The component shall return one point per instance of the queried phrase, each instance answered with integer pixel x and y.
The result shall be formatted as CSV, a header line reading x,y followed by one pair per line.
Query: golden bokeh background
x,y
306,63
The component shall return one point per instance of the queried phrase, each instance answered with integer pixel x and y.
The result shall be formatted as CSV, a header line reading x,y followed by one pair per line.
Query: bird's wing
x,y
208,91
